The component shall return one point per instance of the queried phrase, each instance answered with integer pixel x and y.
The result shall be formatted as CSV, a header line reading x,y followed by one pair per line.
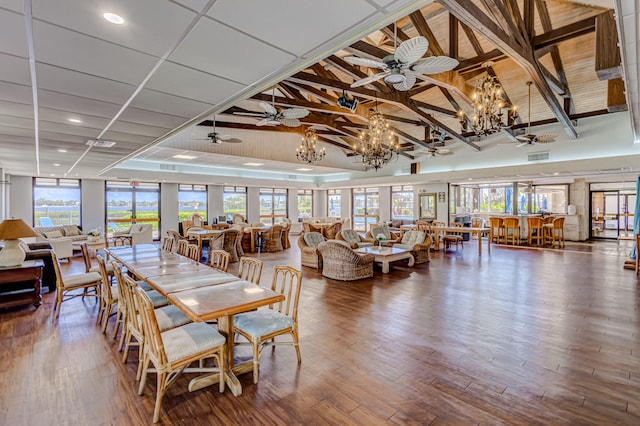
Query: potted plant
x,y
94,234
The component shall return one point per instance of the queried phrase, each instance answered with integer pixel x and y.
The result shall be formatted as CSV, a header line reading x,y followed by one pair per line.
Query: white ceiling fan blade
x,y
267,122
411,50
232,140
409,81
295,113
444,151
224,137
268,108
365,62
290,122
435,65
521,144
526,138
370,79
546,138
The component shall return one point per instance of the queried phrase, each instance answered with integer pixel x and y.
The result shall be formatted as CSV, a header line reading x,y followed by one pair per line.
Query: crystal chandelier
x,y
487,105
378,145
307,152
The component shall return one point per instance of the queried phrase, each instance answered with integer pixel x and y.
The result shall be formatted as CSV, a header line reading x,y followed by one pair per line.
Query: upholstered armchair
x,y
309,254
390,238
331,232
418,243
140,233
340,262
286,228
272,239
353,239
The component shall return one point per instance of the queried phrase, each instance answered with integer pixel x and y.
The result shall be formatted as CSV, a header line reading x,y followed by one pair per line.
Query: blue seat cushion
x,y
262,322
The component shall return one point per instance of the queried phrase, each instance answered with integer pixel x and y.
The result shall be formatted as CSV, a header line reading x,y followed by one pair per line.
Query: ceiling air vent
x,y
293,177
538,156
100,143
171,167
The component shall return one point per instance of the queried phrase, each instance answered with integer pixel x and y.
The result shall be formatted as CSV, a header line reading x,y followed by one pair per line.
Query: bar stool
x,y
496,233
512,230
554,232
535,231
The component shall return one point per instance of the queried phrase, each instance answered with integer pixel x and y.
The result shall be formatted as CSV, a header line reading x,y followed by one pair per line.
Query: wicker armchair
x,y
418,243
286,228
272,239
331,232
390,238
353,239
339,262
309,254
227,240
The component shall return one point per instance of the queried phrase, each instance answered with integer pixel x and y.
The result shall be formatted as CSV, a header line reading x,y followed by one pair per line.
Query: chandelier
x,y
307,152
487,105
377,145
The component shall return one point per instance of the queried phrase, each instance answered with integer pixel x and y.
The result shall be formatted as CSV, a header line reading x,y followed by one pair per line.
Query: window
x,y
234,201
402,202
192,199
132,202
366,208
57,201
273,205
305,203
334,203
550,199
485,198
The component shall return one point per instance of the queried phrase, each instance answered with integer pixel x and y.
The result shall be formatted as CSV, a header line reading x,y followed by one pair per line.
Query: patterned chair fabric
x,y
309,254
339,262
353,238
382,228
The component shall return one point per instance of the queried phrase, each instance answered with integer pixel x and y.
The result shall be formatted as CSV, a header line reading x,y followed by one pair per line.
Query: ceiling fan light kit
x,y
273,117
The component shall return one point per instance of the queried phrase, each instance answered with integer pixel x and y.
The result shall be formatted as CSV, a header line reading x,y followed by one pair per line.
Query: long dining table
x,y
202,293
439,231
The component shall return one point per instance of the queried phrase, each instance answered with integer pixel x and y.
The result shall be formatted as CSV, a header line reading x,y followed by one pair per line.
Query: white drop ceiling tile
x,y
13,37
16,109
89,55
192,4
66,138
15,5
182,81
14,69
247,62
76,104
68,129
169,104
138,129
9,131
10,121
60,116
127,137
16,93
87,86
150,26
150,118
298,26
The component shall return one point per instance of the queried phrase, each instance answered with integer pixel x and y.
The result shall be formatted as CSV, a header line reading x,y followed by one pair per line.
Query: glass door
x,y
605,214
127,204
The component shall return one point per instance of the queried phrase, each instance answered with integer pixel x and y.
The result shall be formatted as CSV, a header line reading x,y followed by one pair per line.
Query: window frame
x,y
272,217
56,183
403,189
185,188
303,194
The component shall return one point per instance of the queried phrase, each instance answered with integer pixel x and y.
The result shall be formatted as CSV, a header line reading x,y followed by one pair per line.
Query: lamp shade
x,y
12,229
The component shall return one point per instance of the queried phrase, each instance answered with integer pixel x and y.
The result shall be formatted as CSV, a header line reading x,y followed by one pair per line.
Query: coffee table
x,y
385,255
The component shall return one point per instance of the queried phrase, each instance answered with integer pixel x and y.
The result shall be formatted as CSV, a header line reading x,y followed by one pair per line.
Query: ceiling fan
x,y
271,116
401,67
528,138
434,136
217,138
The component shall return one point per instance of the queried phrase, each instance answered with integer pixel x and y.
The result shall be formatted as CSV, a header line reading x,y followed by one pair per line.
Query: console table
x,y
20,284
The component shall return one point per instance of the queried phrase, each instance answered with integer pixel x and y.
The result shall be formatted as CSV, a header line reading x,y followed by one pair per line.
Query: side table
x,y
20,284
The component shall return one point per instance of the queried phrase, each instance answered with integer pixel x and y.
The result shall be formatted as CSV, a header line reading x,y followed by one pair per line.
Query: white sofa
x,y
61,238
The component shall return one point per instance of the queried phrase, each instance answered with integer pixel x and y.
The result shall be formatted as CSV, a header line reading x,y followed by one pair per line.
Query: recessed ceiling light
x,y
253,164
56,164
52,174
113,18
61,150
556,173
304,169
184,157
74,120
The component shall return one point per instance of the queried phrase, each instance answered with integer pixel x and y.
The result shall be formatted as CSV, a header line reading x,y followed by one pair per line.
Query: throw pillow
x,y
71,230
313,238
53,234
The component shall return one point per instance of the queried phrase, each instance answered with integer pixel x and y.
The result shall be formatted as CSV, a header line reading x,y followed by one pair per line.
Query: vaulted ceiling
x,y
154,84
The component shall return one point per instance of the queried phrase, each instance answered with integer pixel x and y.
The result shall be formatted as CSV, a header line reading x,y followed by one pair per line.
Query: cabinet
x,y
20,284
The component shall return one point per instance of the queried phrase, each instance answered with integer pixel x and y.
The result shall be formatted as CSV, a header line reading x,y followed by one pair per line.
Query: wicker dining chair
x,y
109,299
88,266
453,237
219,259
193,252
169,354
272,239
183,247
227,240
73,282
250,269
167,243
260,327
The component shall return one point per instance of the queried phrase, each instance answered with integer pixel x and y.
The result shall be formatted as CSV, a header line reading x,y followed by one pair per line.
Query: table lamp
x,y
10,230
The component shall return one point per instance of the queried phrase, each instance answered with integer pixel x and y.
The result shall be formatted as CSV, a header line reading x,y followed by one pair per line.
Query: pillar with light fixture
x,y
10,230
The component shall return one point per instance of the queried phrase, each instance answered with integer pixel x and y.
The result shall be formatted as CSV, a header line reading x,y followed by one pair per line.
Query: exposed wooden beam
x,y
529,17
616,100
354,72
471,36
608,61
389,32
317,93
453,36
470,14
423,29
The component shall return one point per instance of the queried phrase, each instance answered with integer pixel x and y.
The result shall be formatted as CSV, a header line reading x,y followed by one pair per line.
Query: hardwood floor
x,y
518,336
